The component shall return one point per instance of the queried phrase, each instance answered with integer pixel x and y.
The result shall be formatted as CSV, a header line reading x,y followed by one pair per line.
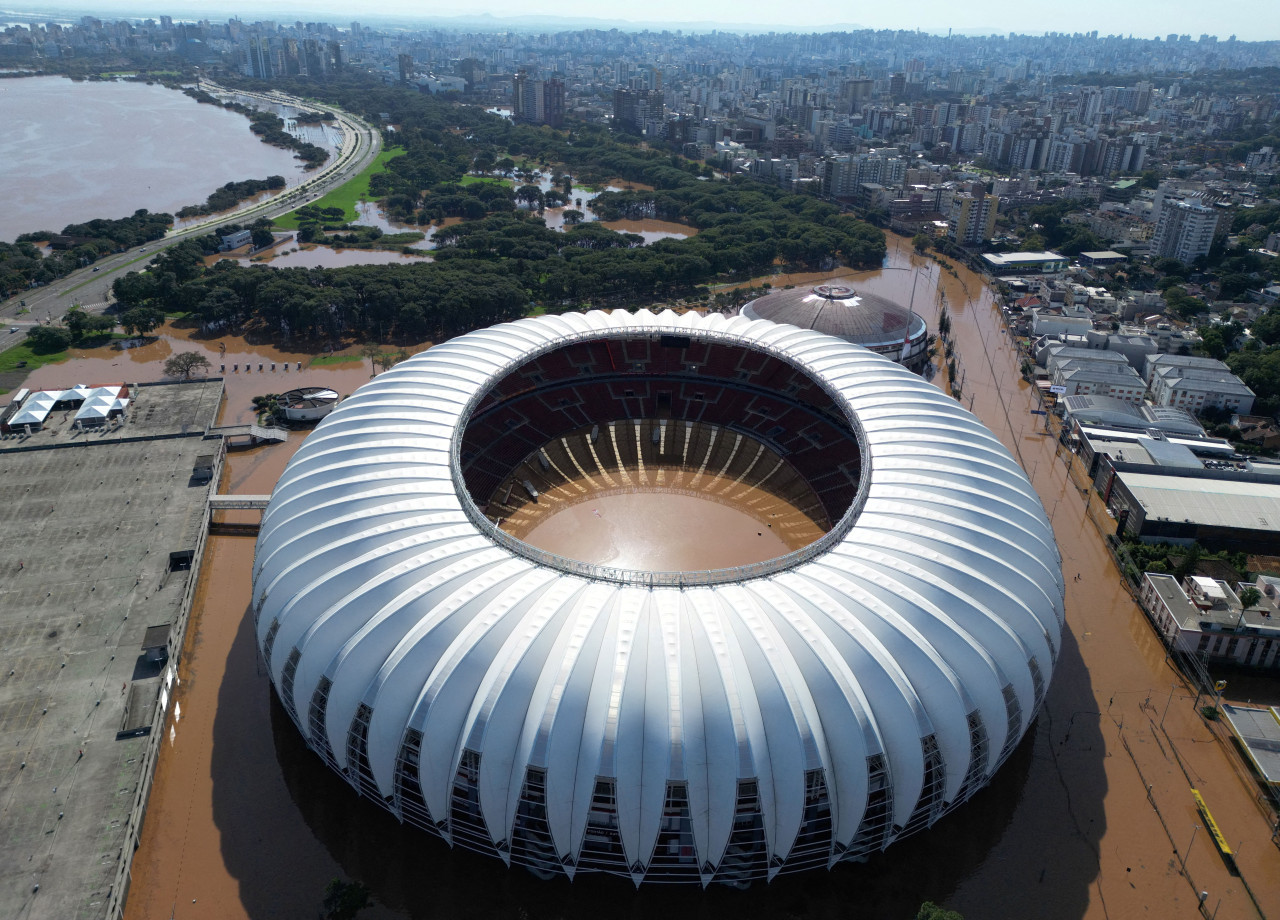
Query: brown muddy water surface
x,y
652,230
248,372
307,256
658,530
1091,817
72,152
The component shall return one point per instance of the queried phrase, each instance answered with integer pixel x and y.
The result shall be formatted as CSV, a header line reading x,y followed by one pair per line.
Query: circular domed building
x,y
837,308
307,404
685,724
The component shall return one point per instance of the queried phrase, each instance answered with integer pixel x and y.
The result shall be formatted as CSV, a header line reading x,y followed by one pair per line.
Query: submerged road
x,y
90,287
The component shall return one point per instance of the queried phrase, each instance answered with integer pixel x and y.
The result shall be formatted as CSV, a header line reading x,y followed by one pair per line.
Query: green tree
x,y
344,900
921,242
46,340
1189,561
1267,327
1212,342
82,323
1182,304
530,195
134,288
141,320
1249,597
930,911
372,351
261,237
185,364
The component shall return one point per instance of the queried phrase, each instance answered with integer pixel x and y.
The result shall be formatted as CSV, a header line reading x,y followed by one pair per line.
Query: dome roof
x,y
838,309
682,729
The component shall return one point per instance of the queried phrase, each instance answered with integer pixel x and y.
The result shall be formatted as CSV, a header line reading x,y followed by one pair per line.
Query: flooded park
x,y
1091,817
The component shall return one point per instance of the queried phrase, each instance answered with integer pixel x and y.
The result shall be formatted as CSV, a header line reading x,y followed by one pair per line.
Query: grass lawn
x,y
320,360
10,358
346,195
476,180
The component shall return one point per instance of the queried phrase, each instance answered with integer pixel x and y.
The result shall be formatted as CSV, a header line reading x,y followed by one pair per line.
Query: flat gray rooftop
x,y
1185,613
1259,733
85,540
1208,502
155,410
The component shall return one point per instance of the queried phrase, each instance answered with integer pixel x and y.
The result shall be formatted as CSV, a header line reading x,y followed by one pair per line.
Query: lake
x,y
72,152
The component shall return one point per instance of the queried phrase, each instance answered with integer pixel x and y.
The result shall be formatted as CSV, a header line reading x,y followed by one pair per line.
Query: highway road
x,y
90,286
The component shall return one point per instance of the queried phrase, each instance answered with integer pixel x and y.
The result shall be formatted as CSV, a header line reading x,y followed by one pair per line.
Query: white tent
x,y
35,410
100,405
77,393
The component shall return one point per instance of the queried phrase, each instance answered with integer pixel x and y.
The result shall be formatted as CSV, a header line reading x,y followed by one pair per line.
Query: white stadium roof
x,y
419,648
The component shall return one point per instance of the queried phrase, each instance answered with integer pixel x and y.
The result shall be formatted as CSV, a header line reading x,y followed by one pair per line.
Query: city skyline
x,y
1247,19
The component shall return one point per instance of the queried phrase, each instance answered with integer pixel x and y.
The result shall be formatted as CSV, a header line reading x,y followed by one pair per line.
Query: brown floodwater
x,y
371,215
248,373
653,230
659,530
308,256
1091,817
119,147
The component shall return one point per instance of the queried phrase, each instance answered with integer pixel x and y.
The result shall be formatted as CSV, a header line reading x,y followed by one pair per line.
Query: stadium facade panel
x,y
700,727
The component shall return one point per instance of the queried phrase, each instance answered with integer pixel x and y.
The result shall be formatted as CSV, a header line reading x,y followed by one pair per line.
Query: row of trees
x,y
269,127
231,194
86,329
23,265
414,302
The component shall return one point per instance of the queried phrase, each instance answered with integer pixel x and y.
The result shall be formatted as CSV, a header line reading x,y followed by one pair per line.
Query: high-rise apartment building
x,y
973,218
844,176
255,57
633,109
1185,231
538,102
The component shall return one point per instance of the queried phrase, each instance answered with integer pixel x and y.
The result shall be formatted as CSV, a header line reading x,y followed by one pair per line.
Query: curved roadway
x,y
90,286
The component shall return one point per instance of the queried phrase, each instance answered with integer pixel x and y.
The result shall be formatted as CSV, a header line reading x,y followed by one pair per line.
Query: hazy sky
x,y
1247,19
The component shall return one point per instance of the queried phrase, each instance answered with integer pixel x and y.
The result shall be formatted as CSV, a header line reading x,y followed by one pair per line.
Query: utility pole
x,y
1194,828
1168,702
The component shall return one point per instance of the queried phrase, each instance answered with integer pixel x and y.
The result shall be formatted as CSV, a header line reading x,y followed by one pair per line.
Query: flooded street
x,y
1107,704
245,822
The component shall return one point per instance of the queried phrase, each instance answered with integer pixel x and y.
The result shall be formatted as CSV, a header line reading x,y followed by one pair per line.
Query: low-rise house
x,y
1204,617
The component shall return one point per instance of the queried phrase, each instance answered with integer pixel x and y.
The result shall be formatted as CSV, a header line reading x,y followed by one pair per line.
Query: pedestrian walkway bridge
x,y
238,502
254,433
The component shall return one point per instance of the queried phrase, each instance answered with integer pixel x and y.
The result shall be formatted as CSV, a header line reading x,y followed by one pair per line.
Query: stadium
x,y
849,651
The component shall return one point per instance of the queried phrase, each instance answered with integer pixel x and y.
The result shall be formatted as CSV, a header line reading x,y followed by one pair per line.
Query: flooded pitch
x,y
1090,818
665,531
